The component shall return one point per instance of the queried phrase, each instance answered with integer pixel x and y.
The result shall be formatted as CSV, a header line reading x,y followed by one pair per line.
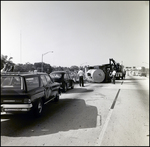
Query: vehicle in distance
x,y
143,74
24,92
64,79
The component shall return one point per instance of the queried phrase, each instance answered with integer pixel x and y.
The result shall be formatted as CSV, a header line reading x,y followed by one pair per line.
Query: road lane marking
x,y
100,138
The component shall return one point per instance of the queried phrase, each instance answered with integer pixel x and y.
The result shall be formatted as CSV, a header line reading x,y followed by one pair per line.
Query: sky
x,y
68,33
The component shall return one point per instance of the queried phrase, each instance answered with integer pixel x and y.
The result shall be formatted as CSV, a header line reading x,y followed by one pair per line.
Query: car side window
x,y
32,83
65,76
52,79
48,79
69,76
43,80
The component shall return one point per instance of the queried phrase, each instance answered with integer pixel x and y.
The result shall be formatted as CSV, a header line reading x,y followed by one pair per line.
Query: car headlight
x,y
27,100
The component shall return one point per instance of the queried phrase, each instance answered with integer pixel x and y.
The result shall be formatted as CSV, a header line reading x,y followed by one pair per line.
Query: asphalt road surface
x,y
99,114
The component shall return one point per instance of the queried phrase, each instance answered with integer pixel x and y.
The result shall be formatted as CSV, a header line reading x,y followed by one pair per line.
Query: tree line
x,y
11,66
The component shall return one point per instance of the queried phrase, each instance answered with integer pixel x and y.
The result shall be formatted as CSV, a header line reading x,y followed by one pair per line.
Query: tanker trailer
x,y
95,75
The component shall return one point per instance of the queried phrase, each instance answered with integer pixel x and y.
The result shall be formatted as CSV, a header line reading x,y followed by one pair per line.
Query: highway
x,y
99,114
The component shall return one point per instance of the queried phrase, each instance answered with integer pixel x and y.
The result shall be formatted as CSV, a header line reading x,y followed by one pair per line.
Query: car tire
x,y
64,88
72,86
56,99
39,108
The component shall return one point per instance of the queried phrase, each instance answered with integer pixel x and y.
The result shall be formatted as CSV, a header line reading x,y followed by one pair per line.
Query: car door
x,y
70,80
33,88
52,85
66,77
55,87
47,87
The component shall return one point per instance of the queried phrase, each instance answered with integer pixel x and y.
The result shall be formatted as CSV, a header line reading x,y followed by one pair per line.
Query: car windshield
x,y
11,82
56,75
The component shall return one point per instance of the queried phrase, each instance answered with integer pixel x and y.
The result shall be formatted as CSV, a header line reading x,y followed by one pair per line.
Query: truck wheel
x,y
39,108
56,99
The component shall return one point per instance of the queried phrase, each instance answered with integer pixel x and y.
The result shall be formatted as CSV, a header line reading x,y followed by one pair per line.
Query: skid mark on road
x,y
100,138
114,102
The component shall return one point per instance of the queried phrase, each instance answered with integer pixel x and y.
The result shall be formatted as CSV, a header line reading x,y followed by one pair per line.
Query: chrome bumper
x,y
15,107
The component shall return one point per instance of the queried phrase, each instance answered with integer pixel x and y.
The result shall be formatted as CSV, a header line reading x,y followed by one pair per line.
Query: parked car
x,y
24,92
64,79
143,74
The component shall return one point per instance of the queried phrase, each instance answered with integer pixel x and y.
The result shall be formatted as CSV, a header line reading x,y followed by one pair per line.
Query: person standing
x,y
114,76
81,75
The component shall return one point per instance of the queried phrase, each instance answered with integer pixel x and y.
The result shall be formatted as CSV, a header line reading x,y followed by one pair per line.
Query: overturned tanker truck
x,y
101,73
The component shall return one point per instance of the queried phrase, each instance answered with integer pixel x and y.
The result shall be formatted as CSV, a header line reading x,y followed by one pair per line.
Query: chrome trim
x,y
49,100
16,106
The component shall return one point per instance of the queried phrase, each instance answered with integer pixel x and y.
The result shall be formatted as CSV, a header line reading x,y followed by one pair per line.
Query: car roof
x,y
22,73
59,72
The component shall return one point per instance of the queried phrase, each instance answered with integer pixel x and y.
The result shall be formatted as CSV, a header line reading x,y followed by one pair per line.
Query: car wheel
x,y
65,88
72,86
39,108
56,99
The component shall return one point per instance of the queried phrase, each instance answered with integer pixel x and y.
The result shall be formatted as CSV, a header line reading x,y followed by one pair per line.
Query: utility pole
x,y
42,58
20,47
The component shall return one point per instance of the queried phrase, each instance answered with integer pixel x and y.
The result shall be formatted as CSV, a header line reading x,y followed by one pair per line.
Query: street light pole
x,y
145,63
85,69
83,63
42,58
